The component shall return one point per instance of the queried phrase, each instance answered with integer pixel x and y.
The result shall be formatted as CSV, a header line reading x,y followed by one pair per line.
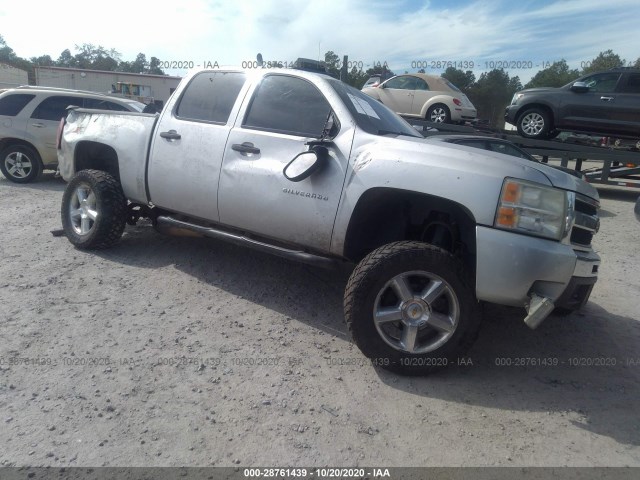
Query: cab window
x,y
288,105
210,96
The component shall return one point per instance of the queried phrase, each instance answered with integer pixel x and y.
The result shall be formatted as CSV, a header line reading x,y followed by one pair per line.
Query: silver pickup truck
x,y
303,166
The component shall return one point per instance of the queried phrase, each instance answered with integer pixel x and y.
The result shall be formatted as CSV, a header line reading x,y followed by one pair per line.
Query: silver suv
x,y
29,119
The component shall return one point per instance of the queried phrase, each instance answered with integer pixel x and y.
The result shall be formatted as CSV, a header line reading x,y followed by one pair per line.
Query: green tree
x,y
8,56
492,93
357,78
6,52
463,80
139,65
154,66
556,75
604,61
66,59
333,63
94,57
42,61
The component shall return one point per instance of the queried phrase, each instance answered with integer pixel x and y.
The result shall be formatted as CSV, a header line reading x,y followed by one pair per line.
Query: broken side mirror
x,y
306,163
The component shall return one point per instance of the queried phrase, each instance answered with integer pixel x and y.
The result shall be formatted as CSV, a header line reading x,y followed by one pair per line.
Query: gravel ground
x,y
178,351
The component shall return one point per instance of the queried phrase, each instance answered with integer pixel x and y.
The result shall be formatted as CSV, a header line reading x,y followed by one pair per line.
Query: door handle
x,y
171,135
606,99
246,147
38,125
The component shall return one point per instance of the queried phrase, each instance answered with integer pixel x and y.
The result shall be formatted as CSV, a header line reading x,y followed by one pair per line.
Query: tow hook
x,y
539,308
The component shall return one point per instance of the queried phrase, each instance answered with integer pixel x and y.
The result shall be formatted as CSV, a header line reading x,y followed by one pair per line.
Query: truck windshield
x,y
370,115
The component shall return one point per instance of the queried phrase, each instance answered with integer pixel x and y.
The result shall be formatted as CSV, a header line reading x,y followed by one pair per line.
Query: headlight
x,y
531,208
516,97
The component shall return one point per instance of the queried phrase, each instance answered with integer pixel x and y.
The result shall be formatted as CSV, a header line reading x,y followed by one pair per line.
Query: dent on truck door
x,y
254,195
189,142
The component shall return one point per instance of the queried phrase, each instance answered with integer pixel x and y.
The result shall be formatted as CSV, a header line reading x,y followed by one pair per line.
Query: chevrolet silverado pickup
x,y
303,166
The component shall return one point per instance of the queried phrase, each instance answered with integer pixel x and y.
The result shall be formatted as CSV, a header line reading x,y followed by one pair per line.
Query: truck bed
x,y
128,132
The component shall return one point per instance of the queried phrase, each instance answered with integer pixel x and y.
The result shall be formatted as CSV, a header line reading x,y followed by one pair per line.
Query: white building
x,y
159,87
12,77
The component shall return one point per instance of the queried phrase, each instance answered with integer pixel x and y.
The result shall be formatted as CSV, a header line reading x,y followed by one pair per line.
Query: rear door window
x,y
633,84
55,107
12,105
421,84
210,97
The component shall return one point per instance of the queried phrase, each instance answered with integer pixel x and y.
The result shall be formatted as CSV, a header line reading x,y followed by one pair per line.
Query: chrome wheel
x,y
532,124
416,312
83,210
438,115
18,165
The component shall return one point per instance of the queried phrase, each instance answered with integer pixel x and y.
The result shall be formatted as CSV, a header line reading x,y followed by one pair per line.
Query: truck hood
x,y
556,177
563,180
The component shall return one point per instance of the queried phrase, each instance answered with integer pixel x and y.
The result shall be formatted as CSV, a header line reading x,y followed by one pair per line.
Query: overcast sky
x,y
400,33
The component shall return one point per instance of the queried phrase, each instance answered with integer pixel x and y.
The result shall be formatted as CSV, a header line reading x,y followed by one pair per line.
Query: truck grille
x,y
586,222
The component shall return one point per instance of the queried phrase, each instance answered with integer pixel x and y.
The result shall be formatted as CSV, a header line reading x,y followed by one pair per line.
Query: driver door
x,y
397,94
254,195
593,110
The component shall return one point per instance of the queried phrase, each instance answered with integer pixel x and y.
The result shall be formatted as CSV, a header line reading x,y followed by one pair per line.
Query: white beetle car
x,y
417,95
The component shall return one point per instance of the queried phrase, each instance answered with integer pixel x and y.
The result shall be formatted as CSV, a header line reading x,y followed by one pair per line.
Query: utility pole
x,y
344,71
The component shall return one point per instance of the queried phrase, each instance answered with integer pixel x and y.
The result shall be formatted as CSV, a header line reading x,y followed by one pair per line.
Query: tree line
x,y
491,92
86,56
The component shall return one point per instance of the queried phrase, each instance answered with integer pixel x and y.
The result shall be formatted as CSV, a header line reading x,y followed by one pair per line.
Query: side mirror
x,y
579,87
305,164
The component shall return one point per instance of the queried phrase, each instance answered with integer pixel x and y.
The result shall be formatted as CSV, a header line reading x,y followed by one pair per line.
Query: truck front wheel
x,y
410,308
94,210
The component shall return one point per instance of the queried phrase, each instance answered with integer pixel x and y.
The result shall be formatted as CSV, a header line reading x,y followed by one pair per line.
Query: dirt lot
x,y
173,351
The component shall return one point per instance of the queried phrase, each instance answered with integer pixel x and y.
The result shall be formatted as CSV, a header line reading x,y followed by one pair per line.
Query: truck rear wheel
x,y
94,210
411,308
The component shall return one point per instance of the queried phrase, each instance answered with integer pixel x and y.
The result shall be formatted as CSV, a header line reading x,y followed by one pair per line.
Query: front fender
x,y
469,177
